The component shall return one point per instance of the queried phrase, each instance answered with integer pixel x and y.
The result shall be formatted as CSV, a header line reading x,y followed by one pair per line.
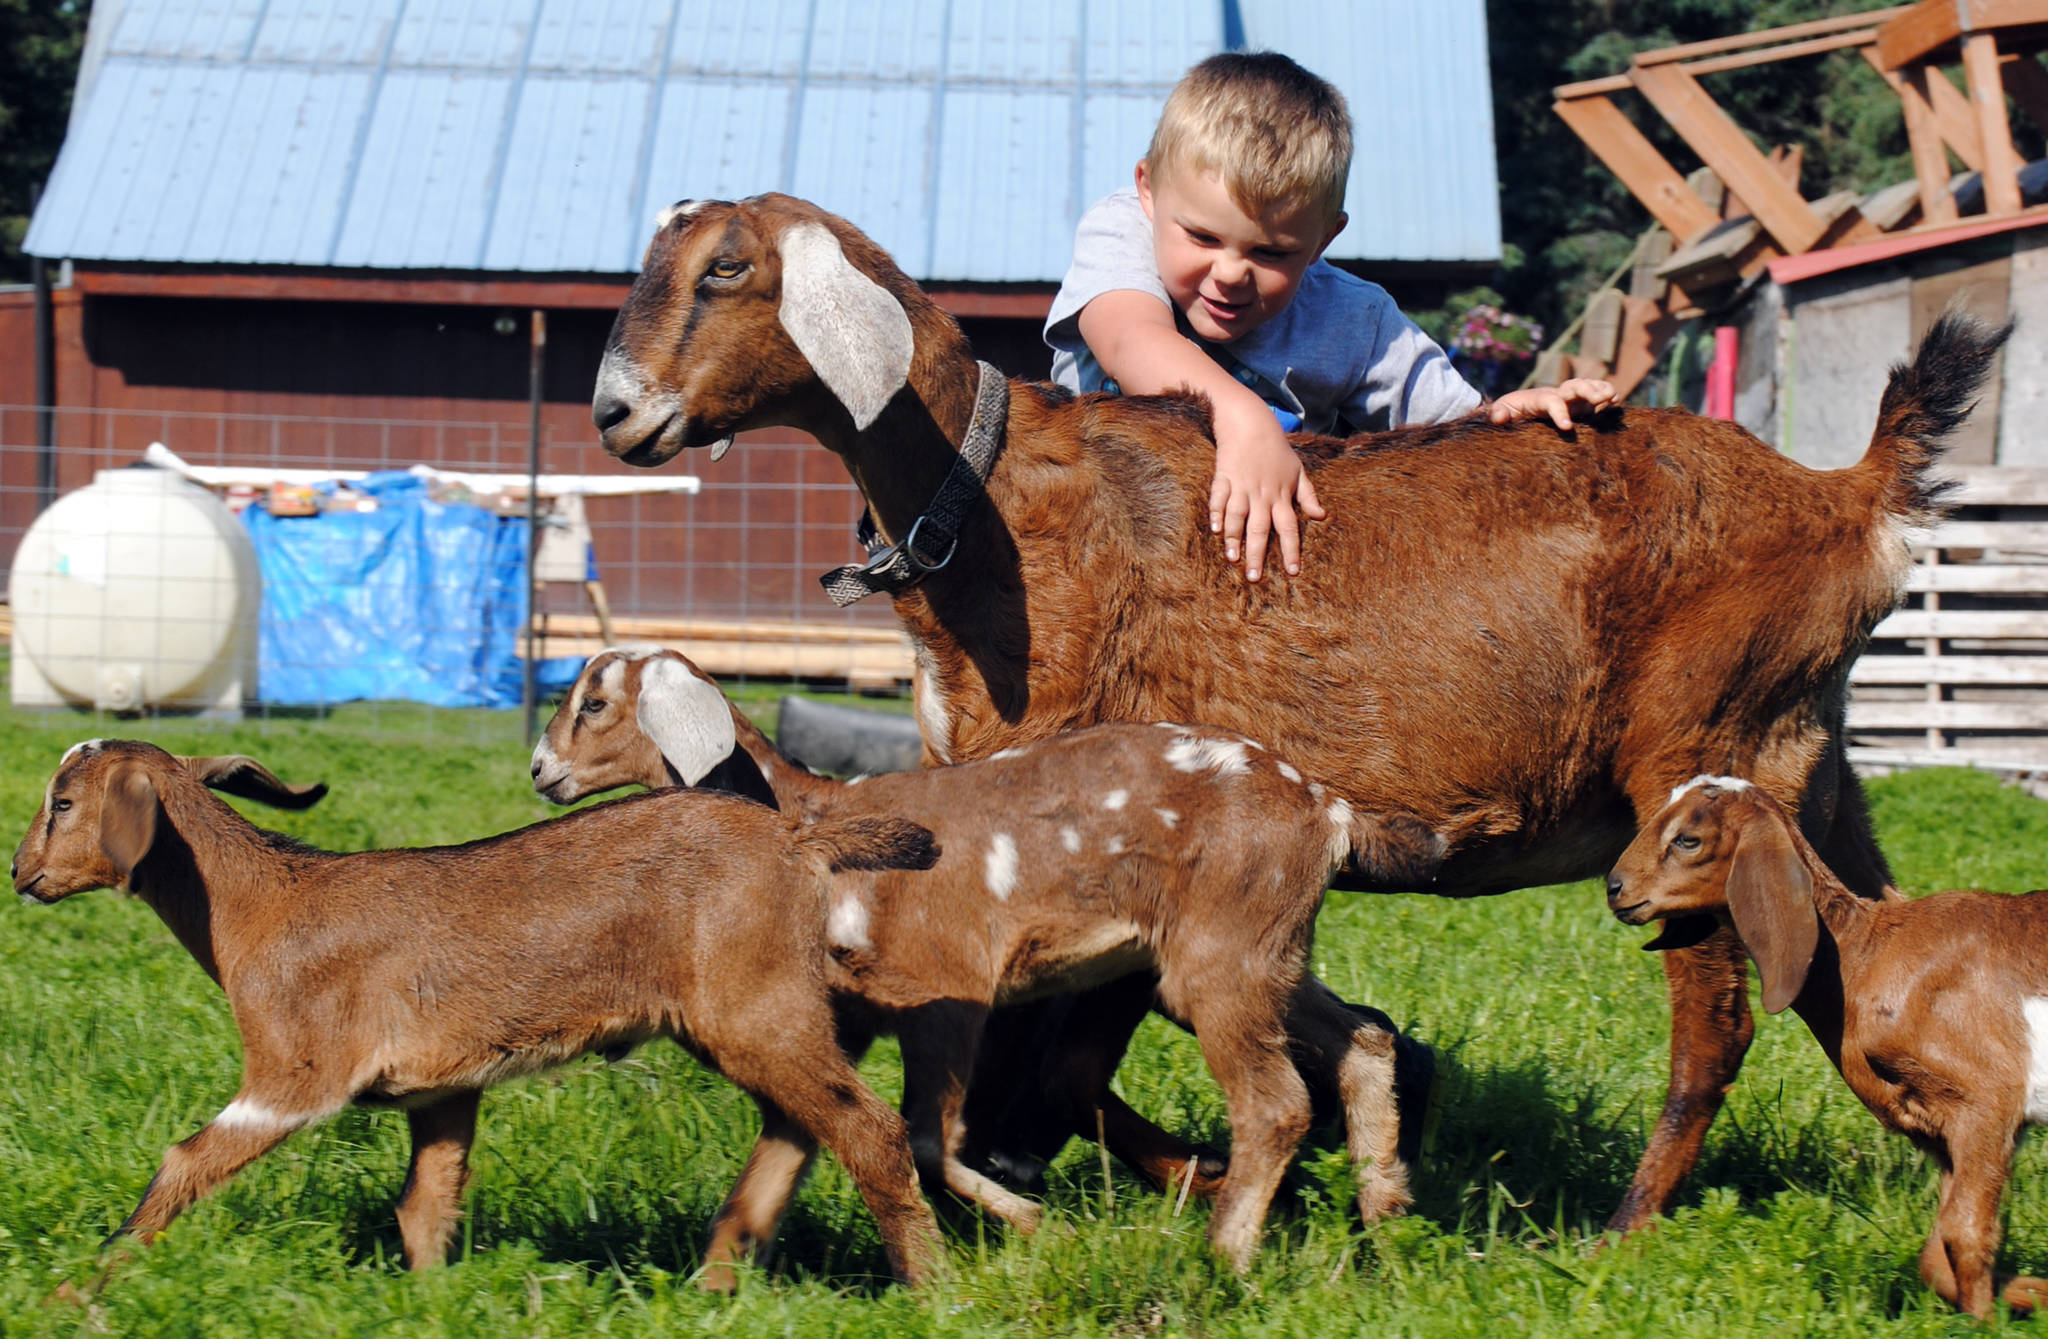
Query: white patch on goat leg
x,y
847,927
2036,1010
243,1114
1116,799
1168,817
1000,868
1070,840
1227,757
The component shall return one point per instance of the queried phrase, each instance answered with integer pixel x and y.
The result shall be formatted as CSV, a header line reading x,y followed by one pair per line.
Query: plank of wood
x,y
1930,91
1649,177
1980,578
1988,755
1771,36
1979,671
1721,144
1923,31
1923,135
1987,624
1987,90
1646,328
2009,536
1948,715
1999,485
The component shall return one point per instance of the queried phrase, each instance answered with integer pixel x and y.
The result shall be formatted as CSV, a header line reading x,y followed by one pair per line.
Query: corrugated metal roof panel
x,y
541,135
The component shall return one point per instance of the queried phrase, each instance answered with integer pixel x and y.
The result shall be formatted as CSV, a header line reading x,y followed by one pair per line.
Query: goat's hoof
x,y
1014,1171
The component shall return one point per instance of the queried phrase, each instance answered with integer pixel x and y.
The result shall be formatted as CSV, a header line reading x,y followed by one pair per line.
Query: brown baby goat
x,y
418,978
1066,864
1935,1011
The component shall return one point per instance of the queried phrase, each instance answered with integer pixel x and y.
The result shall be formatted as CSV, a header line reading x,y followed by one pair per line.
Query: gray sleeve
x,y
1112,251
1409,380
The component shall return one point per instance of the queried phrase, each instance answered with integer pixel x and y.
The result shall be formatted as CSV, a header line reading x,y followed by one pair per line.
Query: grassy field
x,y
592,1185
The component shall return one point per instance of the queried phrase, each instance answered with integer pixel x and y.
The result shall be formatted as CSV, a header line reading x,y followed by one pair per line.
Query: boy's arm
x,y
1555,402
1258,479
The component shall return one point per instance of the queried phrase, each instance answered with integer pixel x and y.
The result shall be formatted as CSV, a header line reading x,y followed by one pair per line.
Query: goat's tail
x,y
1391,849
869,843
1923,403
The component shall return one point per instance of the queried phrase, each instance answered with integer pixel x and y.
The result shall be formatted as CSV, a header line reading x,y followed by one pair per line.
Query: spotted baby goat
x,y
417,978
1069,863
1935,1011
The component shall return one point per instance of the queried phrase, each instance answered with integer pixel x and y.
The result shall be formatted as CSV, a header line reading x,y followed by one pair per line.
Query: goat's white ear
x,y
1770,899
128,816
686,717
855,334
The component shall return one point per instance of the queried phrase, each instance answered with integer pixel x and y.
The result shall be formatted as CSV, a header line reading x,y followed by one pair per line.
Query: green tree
x,y
39,45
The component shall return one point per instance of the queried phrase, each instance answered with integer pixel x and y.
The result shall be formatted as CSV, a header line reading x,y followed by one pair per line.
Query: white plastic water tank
x,y
139,590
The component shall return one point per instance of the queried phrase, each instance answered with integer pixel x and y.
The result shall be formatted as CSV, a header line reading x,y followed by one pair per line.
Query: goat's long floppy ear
x,y
238,775
1770,898
128,816
855,334
686,717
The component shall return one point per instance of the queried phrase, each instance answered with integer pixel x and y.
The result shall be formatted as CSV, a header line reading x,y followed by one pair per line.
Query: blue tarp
x,y
417,600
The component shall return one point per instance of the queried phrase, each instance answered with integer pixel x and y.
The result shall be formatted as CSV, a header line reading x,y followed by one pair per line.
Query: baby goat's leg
x,y
1241,1022
431,1201
939,1042
1981,1154
745,1225
242,1133
1356,1060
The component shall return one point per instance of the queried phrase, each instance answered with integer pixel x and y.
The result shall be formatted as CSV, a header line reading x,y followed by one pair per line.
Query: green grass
x,y
592,1185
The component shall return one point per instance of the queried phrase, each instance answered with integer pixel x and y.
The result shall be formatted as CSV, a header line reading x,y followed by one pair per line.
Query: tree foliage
x,y
39,46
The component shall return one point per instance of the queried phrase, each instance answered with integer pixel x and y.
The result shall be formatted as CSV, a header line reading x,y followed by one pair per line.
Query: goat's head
x,y
1723,847
635,715
101,812
760,312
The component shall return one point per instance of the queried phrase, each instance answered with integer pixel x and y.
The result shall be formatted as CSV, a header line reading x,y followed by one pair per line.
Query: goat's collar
x,y
928,544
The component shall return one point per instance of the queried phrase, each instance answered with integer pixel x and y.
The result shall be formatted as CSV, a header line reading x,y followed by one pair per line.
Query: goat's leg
x,y
745,1225
1848,844
938,1043
1935,1270
1710,1033
821,1091
431,1201
228,1143
1077,1071
1968,1221
1342,1052
1242,1025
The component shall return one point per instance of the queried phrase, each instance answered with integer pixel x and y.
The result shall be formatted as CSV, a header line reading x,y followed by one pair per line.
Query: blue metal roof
x,y
965,136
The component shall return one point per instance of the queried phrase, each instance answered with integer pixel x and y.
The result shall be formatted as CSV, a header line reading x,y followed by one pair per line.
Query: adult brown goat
x,y
1525,638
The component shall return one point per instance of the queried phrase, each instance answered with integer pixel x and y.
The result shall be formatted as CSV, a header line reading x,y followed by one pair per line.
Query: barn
x,y
312,235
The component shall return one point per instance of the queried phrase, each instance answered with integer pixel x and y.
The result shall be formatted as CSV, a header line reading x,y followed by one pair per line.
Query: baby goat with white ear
x,y
1072,863
418,978
1934,1010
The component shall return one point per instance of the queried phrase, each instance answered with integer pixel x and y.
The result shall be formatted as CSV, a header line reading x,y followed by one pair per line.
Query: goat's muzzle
x,y
1632,913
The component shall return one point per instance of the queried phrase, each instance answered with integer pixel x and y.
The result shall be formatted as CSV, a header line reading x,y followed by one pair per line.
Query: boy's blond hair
x,y
1275,133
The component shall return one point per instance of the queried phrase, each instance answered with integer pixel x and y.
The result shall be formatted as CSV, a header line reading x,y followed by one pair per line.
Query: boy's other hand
x,y
1259,481
1555,402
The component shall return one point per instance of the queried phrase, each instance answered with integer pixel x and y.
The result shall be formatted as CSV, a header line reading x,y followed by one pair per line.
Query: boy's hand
x,y
1555,401
1258,481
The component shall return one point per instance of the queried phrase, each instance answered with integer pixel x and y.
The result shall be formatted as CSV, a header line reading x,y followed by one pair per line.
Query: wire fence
x,y
389,622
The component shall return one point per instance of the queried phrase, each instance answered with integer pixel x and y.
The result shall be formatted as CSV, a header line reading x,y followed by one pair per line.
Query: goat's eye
x,y
593,705
1685,841
60,806
726,269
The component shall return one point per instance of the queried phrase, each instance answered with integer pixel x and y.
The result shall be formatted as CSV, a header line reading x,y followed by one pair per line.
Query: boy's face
x,y
1227,272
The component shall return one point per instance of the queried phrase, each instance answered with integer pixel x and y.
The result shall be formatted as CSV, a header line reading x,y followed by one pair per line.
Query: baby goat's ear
x,y
1770,898
251,780
128,816
686,717
851,329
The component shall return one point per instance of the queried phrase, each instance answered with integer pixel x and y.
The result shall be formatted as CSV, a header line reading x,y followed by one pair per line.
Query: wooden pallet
x,y
1960,675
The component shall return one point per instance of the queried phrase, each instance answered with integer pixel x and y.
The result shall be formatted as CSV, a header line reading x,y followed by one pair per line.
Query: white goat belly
x,y
2036,1010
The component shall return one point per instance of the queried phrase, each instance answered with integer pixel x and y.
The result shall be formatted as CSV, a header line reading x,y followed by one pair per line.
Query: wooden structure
x,y
1960,675
1721,227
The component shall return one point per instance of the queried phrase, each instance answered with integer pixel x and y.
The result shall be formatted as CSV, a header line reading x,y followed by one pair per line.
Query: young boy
x,y
1209,276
